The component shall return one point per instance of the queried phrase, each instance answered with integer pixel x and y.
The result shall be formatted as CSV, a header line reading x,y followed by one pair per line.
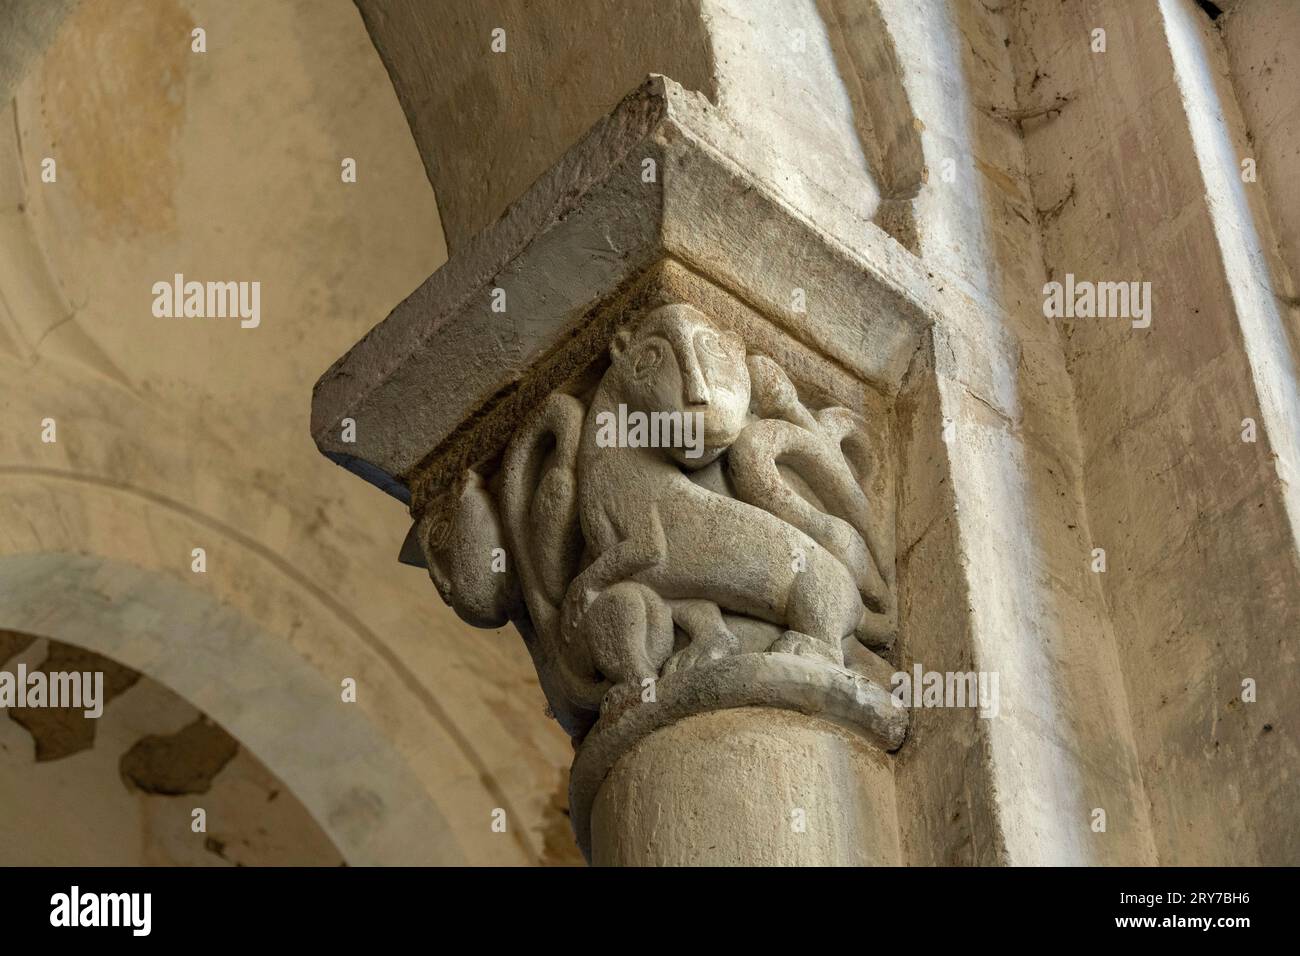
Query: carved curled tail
x,y
844,529
539,497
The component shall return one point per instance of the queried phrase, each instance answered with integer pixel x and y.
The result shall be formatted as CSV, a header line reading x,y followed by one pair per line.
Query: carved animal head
x,y
464,548
674,360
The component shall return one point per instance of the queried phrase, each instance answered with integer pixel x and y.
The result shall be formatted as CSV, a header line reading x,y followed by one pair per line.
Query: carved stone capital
x,y
648,419
684,491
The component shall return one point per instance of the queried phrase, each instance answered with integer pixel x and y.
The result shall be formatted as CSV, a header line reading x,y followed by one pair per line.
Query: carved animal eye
x,y
710,344
647,360
438,534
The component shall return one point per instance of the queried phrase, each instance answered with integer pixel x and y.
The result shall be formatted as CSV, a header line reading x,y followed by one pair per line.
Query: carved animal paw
x,y
701,652
804,645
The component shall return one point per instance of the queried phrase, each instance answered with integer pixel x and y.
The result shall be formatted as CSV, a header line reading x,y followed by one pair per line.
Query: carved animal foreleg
x,y
822,608
710,638
629,631
645,547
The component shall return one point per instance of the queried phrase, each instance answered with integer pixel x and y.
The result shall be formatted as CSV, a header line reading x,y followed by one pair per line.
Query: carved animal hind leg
x,y
823,607
710,638
629,629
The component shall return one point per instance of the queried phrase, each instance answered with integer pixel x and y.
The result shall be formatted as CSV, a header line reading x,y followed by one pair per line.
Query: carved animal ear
x,y
773,394
619,345
770,380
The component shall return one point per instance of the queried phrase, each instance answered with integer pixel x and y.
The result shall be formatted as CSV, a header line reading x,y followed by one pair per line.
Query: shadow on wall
x,y
887,127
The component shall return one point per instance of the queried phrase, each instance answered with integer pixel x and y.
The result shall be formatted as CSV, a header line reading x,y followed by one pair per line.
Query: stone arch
x,y
816,85
144,778
173,435
483,144
337,763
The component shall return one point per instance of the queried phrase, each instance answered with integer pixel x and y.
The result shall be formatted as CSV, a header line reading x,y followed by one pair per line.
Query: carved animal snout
x,y
695,388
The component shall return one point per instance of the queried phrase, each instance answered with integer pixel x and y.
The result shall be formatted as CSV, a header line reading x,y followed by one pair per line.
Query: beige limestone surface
x,y
181,433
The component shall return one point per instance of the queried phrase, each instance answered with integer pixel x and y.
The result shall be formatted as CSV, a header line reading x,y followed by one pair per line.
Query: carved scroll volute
x,y
691,508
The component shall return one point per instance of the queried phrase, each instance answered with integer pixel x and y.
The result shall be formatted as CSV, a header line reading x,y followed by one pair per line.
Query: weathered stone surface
x,y
1199,525
26,28
748,787
776,683
179,763
459,81
1262,41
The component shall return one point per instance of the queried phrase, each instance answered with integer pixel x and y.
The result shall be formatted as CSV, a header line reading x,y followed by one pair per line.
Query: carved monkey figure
x,y
618,547
658,539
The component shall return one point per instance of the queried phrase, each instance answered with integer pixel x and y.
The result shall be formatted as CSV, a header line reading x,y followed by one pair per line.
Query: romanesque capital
x,y
648,419
686,506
